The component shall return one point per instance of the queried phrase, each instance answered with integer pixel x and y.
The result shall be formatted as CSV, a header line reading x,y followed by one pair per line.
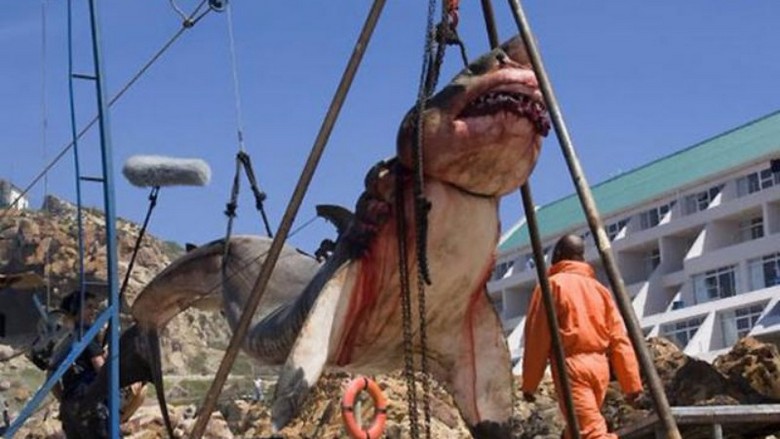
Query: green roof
x,y
741,145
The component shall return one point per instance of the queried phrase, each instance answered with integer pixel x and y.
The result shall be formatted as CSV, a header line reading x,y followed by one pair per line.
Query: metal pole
x,y
549,307
75,350
110,216
596,227
490,23
559,357
717,431
289,215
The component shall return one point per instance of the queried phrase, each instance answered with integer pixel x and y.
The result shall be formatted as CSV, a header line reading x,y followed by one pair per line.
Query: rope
x,y
242,158
79,218
444,34
210,290
303,226
259,195
260,255
195,17
178,10
296,199
44,142
421,204
428,79
237,94
230,211
243,162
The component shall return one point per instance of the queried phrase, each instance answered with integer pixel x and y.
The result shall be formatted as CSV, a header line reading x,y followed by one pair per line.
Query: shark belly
x,y
461,246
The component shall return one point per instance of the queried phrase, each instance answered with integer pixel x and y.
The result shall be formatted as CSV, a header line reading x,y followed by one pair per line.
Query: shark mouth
x,y
520,104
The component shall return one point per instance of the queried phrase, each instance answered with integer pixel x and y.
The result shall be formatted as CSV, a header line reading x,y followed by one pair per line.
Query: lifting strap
x,y
242,158
244,162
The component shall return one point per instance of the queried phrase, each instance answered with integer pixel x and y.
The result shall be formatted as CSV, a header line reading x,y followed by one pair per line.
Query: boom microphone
x,y
152,170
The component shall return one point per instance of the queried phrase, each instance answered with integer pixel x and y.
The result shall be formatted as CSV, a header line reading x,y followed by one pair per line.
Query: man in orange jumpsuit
x,y
592,334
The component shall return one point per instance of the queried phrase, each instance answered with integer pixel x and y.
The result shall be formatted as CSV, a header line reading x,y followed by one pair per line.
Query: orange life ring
x,y
348,409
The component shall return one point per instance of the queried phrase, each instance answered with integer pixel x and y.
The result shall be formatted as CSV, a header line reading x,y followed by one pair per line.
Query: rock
x,y
6,352
758,363
667,357
5,385
445,413
58,207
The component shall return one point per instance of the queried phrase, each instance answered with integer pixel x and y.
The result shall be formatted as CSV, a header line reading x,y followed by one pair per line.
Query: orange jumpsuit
x,y
593,336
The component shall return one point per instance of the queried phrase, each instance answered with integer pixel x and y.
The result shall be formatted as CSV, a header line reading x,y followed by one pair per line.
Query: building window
x,y
498,304
681,332
764,271
738,323
748,184
747,318
701,200
652,260
756,181
613,229
502,270
715,284
530,262
750,229
651,218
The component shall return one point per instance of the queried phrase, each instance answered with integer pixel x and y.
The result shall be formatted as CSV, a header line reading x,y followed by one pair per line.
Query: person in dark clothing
x,y
79,421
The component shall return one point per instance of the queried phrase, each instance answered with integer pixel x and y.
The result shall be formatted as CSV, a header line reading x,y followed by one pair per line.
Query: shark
x,y
481,137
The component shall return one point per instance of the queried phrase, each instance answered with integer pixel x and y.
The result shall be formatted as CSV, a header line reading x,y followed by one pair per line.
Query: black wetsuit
x,y
78,420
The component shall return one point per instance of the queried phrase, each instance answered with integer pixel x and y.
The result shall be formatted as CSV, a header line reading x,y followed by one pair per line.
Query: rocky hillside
x,y
45,242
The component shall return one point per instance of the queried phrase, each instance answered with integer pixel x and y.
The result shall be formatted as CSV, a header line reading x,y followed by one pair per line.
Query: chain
x,y
406,308
426,382
421,204
442,34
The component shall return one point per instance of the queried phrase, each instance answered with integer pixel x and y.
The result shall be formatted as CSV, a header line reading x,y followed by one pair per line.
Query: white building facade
x,y
9,193
696,236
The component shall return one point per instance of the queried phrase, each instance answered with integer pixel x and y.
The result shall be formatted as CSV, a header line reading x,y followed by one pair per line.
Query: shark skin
x,y
481,137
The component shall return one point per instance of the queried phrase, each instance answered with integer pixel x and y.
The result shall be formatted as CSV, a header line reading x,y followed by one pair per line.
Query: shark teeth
x,y
520,104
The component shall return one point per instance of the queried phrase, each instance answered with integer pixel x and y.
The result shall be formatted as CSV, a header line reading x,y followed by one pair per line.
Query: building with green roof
x,y
696,235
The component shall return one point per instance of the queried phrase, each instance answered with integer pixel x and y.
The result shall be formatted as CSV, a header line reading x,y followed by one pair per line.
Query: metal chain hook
x,y
218,5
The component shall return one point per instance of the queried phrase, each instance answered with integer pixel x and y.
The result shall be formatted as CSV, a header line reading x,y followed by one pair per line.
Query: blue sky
x,y
636,80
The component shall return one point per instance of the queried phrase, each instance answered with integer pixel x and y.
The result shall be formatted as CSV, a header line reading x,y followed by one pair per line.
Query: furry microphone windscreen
x,y
151,170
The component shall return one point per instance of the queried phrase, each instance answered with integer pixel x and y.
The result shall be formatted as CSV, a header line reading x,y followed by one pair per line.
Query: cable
x,y
234,64
74,134
178,10
44,142
111,102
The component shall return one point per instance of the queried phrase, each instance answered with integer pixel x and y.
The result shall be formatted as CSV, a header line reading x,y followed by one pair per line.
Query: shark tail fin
x,y
152,341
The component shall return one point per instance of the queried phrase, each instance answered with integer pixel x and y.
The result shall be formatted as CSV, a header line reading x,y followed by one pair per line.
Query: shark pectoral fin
x,y
480,379
309,354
